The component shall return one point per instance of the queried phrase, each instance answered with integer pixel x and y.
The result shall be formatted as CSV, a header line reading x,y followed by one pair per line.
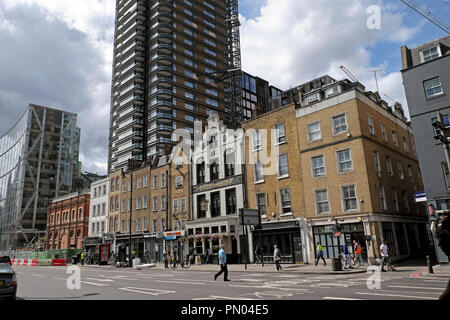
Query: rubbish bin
x,y
336,264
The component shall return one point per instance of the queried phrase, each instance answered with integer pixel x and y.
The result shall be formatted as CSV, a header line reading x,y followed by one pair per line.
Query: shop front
x,y
286,235
174,244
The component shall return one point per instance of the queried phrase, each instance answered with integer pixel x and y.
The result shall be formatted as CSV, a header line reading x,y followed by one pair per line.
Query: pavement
x,y
416,267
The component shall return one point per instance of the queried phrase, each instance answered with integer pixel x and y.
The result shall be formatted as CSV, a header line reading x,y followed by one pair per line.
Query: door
x,y
298,249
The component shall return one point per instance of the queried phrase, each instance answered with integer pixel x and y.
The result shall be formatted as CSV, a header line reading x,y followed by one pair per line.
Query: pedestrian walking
x,y
259,255
166,260
223,264
346,255
82,258
277,257
357,251
207,256
88,261
319,250
384,250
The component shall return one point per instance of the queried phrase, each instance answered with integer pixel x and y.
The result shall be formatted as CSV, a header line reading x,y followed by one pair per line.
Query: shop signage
x,y
218,184
174,233
249,217
420,196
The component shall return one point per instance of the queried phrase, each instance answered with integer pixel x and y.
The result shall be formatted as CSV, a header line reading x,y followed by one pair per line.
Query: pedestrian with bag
x,y
319,250
384,250
277,257
357,249
223,264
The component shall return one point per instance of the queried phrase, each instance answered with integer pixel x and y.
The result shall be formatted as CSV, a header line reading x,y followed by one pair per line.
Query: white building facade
x,y
217,191
98,220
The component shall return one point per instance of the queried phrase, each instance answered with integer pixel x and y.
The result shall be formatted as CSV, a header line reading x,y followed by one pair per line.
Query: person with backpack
x,y
319,250
277,257
259,255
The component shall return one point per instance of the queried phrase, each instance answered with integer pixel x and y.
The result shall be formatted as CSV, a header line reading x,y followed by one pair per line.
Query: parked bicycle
x,y
185,264
355,262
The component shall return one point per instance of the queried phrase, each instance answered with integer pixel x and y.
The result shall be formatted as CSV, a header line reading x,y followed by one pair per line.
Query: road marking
x,y
410,287
147,291
38,275
103,280
443,281
339,298
394,295
181,282
96,284
59,279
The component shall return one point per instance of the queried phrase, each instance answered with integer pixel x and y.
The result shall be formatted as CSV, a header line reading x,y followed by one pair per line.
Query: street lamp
x,y
131,212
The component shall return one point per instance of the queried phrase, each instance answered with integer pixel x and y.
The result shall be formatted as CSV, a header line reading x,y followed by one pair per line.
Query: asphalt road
x,y
50,283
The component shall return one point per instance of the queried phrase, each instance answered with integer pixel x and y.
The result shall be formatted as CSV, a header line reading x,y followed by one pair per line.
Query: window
x,y
257,140
122,226
405,201
215,204
124,187
400,170
394,138
139,182
259,171
230,196
145,202
183,205
382,198
163,180
155,182
202,206
155,225
383,132
138,203
229,163
433,87
430,54
138,224
214,171
405,144
344,161
179,182
410,174
376,159
283,167
122,206
389,166
322,205
349,198
280,133
285,198
155,203
145,181
314,132
394,200
175,206
371,125
339,124
261,203
318,166
201,172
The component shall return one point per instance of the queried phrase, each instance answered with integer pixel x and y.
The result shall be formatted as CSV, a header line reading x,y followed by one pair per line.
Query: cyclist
x,y
357,251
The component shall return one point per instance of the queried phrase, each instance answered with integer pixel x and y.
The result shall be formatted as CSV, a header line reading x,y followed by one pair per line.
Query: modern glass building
x,y
37,158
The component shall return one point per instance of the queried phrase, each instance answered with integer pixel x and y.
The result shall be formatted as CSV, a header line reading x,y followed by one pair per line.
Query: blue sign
x,y
170,238
420,196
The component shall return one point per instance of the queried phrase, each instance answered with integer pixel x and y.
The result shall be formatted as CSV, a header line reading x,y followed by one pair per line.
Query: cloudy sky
x,y
58,53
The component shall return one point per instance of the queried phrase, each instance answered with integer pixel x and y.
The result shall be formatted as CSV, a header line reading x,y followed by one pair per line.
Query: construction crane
x,y
348,73
428,15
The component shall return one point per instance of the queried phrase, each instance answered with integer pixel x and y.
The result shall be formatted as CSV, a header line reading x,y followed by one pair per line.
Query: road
x,y
106,283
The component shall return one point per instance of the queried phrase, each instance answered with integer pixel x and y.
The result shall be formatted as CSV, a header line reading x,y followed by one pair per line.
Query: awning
x,y
278,226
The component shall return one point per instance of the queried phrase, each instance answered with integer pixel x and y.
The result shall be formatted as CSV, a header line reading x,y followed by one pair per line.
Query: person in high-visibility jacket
x,y
82,259
357,250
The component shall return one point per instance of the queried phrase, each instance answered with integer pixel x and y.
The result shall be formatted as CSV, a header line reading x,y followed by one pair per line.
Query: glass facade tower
x,y
37,159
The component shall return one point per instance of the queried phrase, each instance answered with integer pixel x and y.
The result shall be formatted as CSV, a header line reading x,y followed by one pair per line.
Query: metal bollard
x,y
430,266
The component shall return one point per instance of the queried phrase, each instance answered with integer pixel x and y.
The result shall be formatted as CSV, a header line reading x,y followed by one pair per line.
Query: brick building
x,y
68,221
352,163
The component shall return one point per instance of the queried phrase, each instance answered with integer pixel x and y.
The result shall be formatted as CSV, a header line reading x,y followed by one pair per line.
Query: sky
x,y
58,53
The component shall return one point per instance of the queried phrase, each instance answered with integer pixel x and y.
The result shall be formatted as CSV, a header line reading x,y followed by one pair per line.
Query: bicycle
x,y
355,262
185,264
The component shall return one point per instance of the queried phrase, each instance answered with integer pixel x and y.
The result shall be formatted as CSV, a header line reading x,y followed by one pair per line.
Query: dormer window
x,y
430,54
313,98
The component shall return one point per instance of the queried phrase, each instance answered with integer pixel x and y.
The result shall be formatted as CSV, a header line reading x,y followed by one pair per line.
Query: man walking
x,y
347,258
259,255
357,251
277,257
223,264
207,256
82,258
384,250
319,250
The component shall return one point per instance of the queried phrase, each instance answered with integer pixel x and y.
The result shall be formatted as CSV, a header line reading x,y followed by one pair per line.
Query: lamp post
x,y
131,212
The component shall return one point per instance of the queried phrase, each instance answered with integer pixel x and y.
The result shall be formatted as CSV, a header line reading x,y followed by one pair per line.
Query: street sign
x,y
249,217
420,196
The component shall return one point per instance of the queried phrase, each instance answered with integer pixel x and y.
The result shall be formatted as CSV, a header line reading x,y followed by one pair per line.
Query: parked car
x,y
8,282
5,259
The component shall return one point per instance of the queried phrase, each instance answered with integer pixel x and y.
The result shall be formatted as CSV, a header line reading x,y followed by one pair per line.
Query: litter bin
x,y
336,264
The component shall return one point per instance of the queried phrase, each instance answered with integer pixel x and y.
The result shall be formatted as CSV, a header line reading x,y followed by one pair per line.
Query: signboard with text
x,y
249,217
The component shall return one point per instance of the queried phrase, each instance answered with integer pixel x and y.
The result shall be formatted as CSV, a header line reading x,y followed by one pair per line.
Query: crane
x,y
428,15
348,73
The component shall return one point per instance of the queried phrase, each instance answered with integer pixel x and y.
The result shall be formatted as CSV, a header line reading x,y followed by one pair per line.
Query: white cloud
x,y
294,41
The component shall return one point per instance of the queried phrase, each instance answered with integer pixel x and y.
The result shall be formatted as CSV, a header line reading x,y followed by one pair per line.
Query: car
x,y
5,259
8,282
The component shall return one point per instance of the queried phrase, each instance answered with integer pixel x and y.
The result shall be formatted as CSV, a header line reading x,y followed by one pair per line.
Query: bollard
x,y
430,266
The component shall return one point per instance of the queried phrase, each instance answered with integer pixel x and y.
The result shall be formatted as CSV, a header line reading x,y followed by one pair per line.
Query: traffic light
x,y
441,132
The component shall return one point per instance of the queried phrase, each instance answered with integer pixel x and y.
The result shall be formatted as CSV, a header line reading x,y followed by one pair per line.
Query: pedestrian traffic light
x,y
441,132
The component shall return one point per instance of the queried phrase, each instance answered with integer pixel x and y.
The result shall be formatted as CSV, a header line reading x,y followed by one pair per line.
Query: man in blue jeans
x,y
223,264
346,254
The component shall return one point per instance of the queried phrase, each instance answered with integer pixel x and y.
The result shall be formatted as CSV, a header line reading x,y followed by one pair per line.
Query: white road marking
x,y
153,292
339,298
409,287
101,280
394,295
59,279
96,284
181,282
38,275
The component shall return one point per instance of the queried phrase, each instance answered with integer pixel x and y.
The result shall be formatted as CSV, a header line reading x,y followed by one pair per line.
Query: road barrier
x,y
58,262
38,262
